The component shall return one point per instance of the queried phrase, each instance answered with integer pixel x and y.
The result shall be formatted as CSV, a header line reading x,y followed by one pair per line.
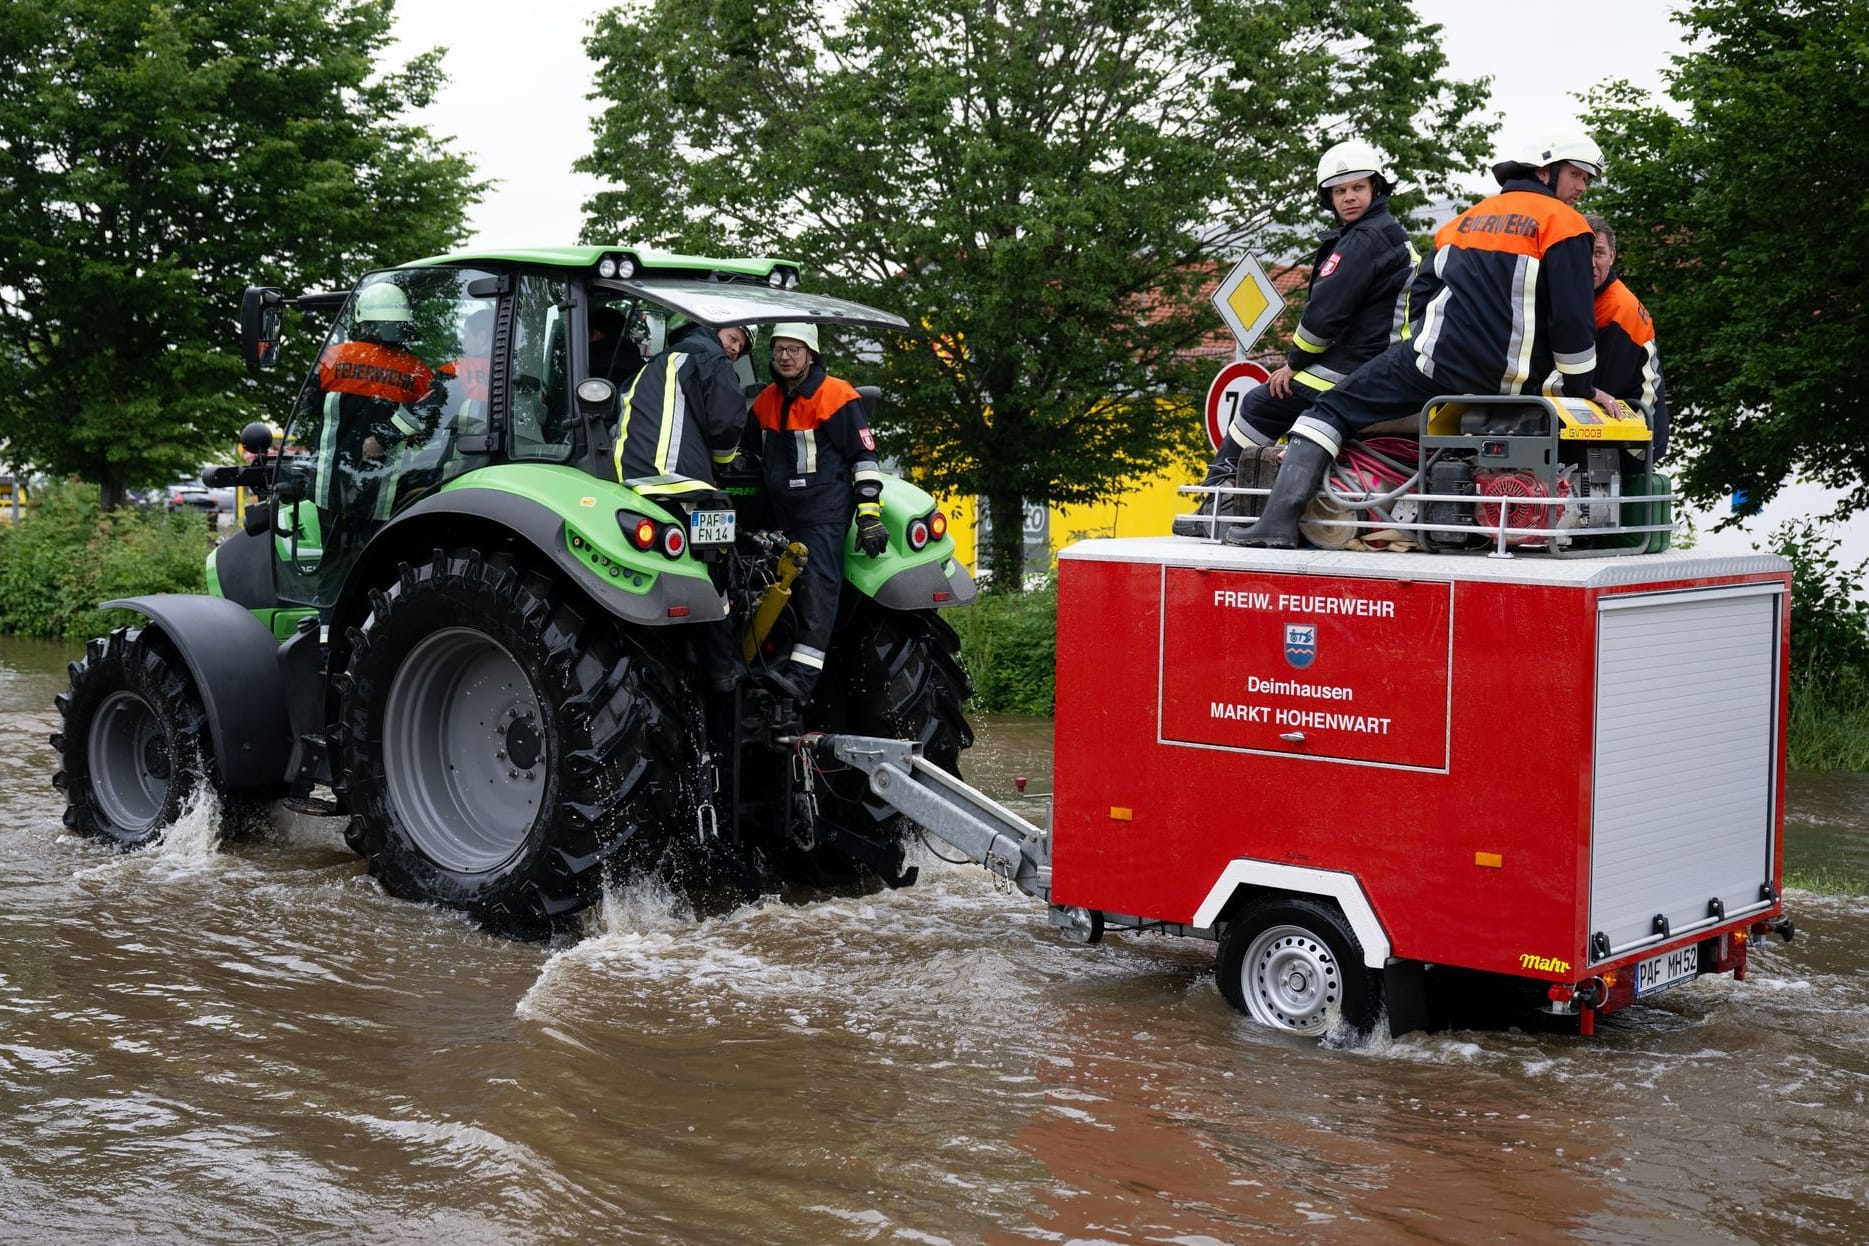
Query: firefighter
x,y
683,414
819,460
380,398
1354,306
1481,323
1628,361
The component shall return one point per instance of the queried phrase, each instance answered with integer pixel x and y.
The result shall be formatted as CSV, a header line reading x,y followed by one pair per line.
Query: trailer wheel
x,y
498,747
900,677
1294,964
134,746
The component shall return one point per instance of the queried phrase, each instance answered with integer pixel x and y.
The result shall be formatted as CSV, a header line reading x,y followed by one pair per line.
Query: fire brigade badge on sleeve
x,y
1300,644
868,439
1330,265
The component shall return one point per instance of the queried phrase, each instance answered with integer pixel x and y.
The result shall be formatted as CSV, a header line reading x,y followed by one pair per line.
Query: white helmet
x,y
806,333
384,301
1572,147
1348,161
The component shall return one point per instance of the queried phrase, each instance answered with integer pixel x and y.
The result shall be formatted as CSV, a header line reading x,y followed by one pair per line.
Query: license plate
x,y
1658,973
710,528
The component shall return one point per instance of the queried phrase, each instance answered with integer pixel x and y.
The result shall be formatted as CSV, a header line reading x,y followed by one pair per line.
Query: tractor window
x,y
402,378
541,372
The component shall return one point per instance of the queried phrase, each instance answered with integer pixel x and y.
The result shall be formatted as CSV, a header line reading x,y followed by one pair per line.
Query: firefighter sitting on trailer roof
x,y
1481,324
819,460
1354,308
1628,362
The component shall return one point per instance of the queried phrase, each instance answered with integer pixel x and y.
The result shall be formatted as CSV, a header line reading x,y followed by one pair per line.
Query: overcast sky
x,y
519,76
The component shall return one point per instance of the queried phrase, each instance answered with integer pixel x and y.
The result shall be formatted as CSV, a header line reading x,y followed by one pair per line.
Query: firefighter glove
x,y
872,537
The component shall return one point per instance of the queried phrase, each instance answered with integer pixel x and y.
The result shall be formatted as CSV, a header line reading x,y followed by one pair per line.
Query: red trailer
x,y
1359,770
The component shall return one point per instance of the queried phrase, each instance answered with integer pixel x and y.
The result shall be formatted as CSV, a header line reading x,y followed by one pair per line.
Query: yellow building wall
x,y
1146,508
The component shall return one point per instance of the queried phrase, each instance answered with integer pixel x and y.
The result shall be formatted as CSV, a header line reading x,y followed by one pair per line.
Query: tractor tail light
x,y
674,541
937,525
918,533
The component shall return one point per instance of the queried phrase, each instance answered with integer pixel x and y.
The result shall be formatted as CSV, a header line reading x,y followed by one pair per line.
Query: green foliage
x,y
1009,642
1743,229
1830,880
155,157
1042,186
1829,726
65,555
1828,730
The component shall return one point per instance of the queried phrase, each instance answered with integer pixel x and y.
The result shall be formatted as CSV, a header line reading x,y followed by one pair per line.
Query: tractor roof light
x,y
776,278
607,267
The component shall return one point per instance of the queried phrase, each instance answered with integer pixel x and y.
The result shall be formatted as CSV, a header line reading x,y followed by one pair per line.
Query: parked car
x,y
210,502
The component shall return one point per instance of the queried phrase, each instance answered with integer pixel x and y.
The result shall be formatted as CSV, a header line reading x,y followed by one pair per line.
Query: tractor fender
x,y
926,585
234,661
669,598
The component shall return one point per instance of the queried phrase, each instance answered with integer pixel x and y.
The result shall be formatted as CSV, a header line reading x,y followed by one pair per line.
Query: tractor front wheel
x,y
501,740
134,748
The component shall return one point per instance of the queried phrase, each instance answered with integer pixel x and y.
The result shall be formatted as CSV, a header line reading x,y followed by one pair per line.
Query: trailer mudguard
x,y
1302,881
588,546
234,662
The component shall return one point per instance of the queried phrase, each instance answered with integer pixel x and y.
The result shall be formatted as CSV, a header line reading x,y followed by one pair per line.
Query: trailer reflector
x,y
1491,860
1122,813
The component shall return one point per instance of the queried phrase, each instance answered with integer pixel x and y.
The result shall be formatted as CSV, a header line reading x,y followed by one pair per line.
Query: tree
x,y
155,157
1741,220
1044,186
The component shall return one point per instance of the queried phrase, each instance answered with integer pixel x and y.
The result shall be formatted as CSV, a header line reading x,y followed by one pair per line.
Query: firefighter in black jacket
x,y
684,413
1628,363
1353,309
1502,305
819,459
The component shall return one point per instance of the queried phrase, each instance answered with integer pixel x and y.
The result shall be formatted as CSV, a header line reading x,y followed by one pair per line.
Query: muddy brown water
x,y
251,1043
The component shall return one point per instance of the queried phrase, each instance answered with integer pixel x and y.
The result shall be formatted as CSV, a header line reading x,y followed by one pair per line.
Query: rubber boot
x,y
1299,474
794,680
1220,506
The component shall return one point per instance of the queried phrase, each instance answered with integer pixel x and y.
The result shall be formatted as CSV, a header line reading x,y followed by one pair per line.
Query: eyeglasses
x,y
797,349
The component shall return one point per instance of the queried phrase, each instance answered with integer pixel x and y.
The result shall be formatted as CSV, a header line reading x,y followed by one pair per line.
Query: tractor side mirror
x,y
256,438
262,308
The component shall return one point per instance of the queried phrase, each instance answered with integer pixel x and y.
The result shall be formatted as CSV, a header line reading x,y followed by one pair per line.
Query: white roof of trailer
x,y
1595,571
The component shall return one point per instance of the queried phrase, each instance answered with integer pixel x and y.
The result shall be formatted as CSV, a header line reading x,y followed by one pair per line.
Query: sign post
x,y
1229,389
1248,302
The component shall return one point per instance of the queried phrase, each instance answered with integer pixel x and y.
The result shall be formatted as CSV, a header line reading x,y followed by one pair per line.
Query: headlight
x,y
626,268
776,278
607,267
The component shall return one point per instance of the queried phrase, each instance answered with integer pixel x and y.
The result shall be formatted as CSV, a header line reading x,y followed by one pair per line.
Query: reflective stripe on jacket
x,y
1628,361
684,413
1505,302
819,454
1354,306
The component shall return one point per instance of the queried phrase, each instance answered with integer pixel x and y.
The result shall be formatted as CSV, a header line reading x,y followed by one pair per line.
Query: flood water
x,y
252,1043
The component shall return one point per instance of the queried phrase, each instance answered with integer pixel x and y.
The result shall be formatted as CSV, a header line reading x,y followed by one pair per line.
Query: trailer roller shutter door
x,y
1686,753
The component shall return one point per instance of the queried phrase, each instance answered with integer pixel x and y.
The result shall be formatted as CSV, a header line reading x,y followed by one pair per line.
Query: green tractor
x,y
488,650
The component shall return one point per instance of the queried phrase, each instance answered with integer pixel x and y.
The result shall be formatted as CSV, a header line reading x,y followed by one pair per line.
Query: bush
x,y
1829,727
65,555
1009,642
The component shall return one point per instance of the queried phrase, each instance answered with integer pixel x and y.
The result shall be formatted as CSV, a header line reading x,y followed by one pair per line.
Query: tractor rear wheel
x,y
891,674
134,748
501,741
1294,964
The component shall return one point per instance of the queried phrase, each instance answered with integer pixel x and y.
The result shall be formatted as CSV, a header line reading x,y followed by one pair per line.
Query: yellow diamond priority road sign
x,y
1248,301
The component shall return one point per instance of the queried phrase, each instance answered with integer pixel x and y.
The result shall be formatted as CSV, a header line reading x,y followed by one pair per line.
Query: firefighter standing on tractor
x,y
1628,362
1354,308
1505,303
819,460
684,414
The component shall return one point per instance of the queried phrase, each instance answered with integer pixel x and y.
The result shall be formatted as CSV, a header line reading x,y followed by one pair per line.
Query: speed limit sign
x,y
1229,389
